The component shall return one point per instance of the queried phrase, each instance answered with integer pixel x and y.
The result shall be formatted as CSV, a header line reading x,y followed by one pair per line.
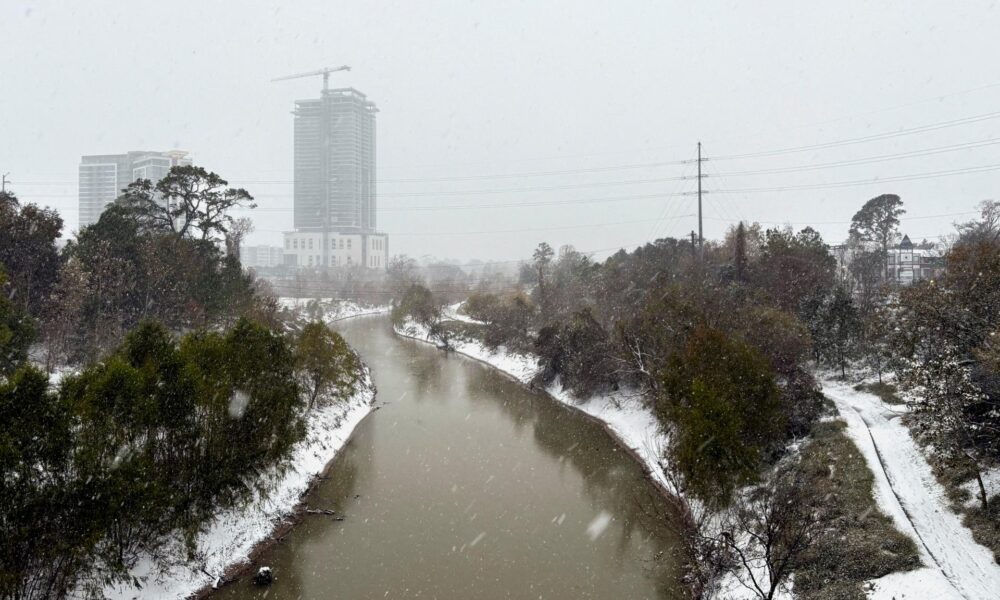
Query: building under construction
x,y
334,193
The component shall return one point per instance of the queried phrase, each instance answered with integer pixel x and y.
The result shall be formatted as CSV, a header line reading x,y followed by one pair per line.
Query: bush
x,y
326,362
417,303
578,352
154,439
721,399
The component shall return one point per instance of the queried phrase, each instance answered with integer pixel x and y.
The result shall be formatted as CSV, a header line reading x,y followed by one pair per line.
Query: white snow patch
x,y
334,309
905,488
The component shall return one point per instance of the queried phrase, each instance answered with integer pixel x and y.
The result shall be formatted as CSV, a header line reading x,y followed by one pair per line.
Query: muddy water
x,y
465,485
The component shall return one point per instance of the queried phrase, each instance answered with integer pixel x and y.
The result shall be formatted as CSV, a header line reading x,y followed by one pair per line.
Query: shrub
x,y
722,401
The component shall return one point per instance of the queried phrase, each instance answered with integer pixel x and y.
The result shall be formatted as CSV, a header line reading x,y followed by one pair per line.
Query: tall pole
x,y
3,188
701,237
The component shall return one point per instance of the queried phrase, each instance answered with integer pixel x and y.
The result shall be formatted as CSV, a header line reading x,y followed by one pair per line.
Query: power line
x,y
858,182
868,138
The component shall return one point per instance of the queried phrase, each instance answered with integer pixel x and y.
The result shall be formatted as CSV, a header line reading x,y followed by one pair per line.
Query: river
x,y
463,484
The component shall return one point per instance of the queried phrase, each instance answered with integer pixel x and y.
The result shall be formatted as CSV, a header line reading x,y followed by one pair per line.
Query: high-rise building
x,y
103,177
334,195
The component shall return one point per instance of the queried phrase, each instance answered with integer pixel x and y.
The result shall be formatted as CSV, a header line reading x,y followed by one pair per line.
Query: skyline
x,y
501,99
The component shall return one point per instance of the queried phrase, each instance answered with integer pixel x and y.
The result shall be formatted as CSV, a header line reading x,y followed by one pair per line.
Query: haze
x,y
503,88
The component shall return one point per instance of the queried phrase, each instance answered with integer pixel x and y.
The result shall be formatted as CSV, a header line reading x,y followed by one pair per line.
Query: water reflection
x,y
465,485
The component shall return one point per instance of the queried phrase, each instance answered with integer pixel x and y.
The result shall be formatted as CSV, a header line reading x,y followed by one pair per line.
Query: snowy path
x,y
905,488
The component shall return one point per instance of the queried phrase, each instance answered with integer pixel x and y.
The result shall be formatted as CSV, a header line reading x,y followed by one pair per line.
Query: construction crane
x,y
327,177
325,72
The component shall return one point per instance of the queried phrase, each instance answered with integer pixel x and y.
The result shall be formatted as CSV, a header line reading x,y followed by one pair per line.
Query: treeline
x,y
186,395
722,341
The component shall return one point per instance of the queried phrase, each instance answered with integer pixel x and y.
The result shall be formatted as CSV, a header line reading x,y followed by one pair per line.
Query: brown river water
x,y
466,485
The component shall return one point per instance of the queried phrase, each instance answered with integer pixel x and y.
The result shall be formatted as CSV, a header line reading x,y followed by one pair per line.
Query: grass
x,y
886,391
858,542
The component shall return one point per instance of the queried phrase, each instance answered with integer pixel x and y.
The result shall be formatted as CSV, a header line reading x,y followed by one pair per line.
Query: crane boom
x,y
325,72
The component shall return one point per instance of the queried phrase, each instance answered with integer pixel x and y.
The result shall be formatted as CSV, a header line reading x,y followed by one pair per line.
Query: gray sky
x,y
470,89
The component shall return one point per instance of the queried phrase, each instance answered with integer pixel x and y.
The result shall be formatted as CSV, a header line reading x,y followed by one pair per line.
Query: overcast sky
x,y
468,90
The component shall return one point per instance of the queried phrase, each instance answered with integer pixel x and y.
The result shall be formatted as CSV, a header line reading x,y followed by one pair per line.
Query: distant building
x,y
102,177
262,256
307,249
907,263
334,193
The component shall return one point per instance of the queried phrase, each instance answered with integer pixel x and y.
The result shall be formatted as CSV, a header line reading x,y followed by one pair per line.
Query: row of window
x,y
293,244
315,261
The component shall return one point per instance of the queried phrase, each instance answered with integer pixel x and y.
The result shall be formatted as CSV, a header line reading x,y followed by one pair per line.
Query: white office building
x,y
305,249
102,177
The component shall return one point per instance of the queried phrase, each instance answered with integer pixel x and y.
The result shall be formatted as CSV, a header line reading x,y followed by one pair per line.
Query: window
x,y
295,244
348,243
288,244
310,243
341,243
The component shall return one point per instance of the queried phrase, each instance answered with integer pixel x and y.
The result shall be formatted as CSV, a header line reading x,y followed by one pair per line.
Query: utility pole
x,y
3,187
701,237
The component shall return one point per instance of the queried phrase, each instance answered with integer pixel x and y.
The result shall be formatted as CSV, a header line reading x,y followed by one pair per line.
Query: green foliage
x,y
577,351
418,303
326,361
17,331
156,438
188,202
722,401
28,252
131,274
877,221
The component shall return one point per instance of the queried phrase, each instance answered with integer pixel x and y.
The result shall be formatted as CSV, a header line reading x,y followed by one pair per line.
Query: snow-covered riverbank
x,y
333,309
623,414
229,539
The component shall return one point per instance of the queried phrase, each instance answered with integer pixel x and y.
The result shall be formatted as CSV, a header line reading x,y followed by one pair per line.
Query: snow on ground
x,y
452,312
333,309
991,481
905,488
230,537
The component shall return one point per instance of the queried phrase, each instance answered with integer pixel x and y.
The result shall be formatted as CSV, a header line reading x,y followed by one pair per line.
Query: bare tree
x,y
238,230
769,530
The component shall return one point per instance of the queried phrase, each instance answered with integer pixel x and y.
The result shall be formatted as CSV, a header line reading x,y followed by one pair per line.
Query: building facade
x,y
335,191
314,249
264,257
907,263
102,177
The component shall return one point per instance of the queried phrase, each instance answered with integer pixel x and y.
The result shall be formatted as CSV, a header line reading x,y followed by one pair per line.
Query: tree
x,y
326,361
542,256
723,402
28,251
770,529
17,331
740,251
419,304
238,230
64,312
877,222
838,328
577,351
984,230
189,199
